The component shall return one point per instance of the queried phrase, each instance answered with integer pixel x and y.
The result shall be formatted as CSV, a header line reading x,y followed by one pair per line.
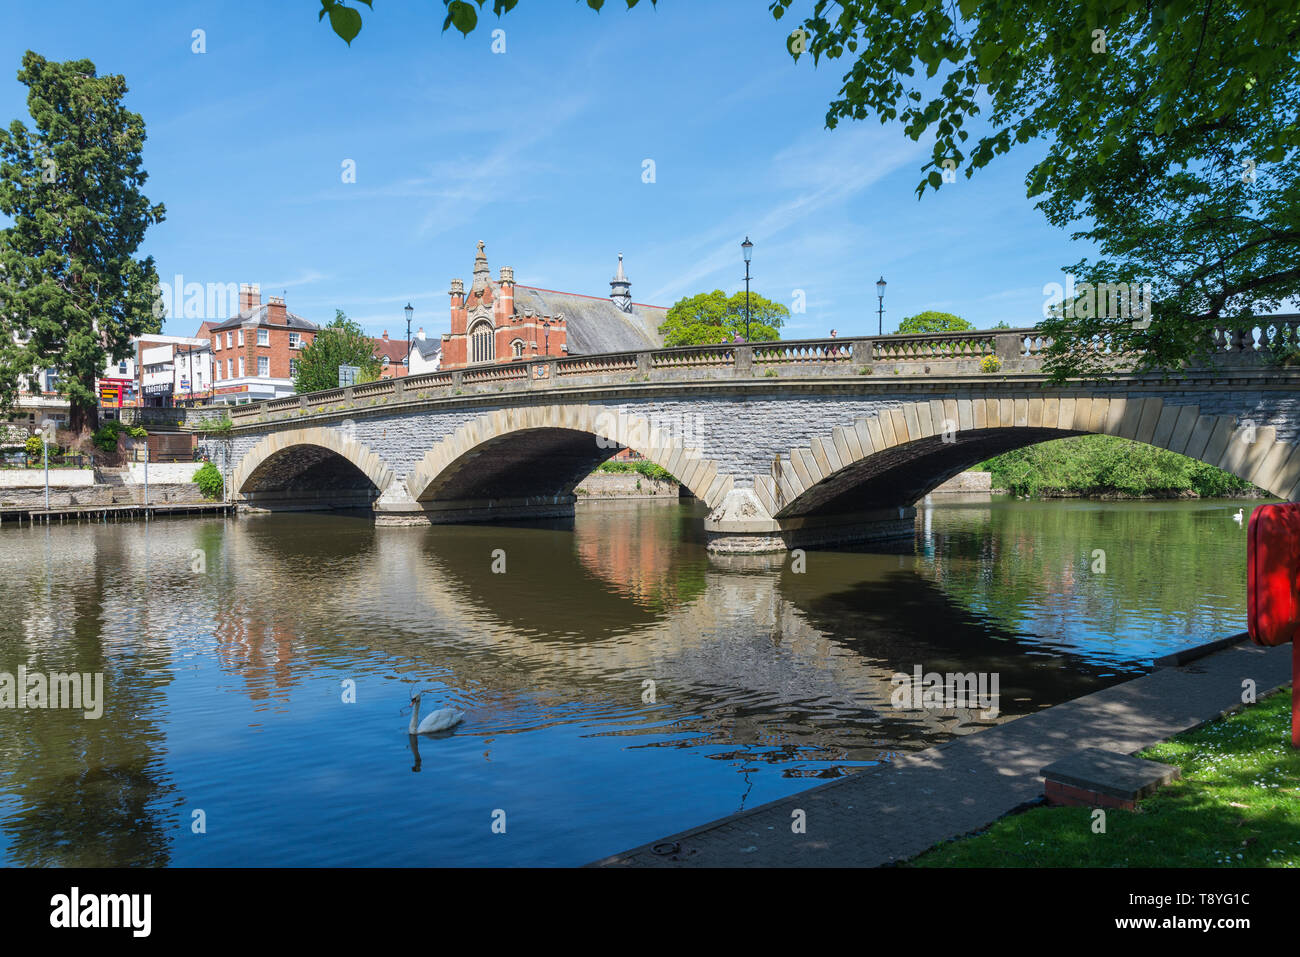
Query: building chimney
x,y
250,296
620,288
419,333
275,311
507,310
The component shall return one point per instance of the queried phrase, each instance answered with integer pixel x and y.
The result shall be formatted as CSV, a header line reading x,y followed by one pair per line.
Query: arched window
x,y
482,347
517,348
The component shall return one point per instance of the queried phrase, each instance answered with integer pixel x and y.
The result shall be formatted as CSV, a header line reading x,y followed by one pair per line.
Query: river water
x,y
619,684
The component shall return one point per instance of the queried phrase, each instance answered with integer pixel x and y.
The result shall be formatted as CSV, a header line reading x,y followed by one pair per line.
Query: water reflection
x,y
225,643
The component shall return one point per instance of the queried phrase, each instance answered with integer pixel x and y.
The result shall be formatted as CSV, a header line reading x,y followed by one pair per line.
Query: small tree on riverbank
x,y
208,479
341,343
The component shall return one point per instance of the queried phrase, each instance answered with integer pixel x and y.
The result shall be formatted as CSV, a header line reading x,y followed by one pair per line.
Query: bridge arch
x,y
310,468
893,458
543,452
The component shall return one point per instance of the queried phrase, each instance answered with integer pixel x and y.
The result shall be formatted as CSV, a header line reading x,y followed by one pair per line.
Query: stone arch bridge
x,y
789,444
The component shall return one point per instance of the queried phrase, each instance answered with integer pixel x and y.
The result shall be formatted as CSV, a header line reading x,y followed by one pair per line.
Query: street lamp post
x,y
748,249
146,475
409,310
880,316
45,454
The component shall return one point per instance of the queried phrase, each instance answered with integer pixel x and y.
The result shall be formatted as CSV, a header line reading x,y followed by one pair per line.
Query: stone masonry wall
x,y
742,431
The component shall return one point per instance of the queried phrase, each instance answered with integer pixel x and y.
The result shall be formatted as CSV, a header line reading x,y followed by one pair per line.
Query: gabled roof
x,y
395,349
427,348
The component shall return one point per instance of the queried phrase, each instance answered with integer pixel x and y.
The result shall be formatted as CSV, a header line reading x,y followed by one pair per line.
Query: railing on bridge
x,y
602,364
948,345
1018,350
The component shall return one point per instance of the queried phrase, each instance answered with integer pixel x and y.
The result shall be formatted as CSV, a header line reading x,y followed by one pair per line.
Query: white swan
x,y
439,720
1239,516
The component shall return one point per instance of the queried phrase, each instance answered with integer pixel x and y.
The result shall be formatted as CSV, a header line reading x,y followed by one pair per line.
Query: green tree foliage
x,y
341,343
345,19
715,317
1170,133
934,322
209,480
1106,464
72,295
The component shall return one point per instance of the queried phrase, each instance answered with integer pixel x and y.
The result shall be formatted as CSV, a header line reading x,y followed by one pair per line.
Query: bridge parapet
x,y
961,354
945,354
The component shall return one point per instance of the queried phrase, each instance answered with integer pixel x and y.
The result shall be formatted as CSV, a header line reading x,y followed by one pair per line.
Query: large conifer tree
x,y
72,293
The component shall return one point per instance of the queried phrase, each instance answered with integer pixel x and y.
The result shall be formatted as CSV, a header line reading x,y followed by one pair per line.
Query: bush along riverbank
x,y
1104,466
637,479
642,467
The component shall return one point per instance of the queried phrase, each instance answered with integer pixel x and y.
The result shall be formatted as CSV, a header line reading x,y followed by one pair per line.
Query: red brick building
x,y
391,354
499,321
255,352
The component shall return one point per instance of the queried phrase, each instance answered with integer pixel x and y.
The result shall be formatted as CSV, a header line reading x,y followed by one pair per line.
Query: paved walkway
x,y
895,811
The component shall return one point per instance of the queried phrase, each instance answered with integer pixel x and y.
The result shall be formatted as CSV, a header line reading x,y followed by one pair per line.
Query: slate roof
x,y
291,321
595,324
427,348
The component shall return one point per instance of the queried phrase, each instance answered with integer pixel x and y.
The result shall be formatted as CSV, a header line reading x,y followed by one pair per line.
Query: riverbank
x,y
23,490
895,811
1236,794
602,485
17,517
1158,495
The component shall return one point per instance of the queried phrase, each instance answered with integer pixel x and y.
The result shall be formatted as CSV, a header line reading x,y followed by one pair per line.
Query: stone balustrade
x,y
1014,352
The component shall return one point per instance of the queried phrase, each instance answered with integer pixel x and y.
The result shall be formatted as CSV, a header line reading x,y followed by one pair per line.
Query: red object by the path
x,y
1273,587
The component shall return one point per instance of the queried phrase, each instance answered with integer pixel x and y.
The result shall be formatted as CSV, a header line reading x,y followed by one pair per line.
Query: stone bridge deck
x,y
790,443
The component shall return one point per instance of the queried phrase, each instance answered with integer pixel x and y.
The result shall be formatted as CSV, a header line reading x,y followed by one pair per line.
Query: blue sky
x,y
539,153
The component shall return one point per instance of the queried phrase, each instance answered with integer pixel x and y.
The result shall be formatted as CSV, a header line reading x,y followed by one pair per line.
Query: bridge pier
x,y
742,525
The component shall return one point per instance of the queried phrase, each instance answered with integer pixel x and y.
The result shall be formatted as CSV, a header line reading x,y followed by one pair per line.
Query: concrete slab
x,y
1109,772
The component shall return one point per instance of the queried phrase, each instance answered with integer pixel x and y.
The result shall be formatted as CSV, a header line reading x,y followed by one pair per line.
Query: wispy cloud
x,y
820,171
457,187
305,278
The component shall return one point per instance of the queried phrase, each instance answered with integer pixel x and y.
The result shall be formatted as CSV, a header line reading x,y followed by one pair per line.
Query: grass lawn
x,y
1236,805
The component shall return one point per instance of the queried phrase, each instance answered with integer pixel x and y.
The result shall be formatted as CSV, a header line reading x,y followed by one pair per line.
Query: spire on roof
x,y
482,275
620,288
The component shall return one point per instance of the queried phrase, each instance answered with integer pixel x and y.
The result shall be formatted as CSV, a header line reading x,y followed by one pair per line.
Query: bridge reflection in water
x,y
224,685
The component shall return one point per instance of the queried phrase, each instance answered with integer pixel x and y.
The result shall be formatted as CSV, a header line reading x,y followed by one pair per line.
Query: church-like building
x,y
498,321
